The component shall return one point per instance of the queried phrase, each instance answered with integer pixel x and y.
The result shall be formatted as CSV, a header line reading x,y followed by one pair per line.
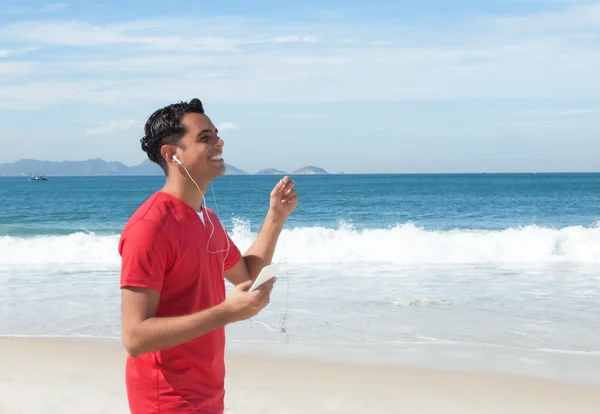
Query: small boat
x,y
38,178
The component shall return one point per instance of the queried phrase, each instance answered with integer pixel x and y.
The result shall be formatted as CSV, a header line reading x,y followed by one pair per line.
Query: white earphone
x,y
207,216
226,251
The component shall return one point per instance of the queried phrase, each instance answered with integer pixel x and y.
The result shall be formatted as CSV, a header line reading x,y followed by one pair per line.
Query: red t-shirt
x,y
163,247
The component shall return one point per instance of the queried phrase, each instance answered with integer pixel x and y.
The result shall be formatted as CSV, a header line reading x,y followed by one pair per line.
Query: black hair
x,y
164,127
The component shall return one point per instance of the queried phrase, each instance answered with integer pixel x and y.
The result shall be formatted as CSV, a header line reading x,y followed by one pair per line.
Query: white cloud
x,y
70,33
64,34
295,39
544,56
329,15
56,6
4,53
563,113
574,17
18,10
307,116
10,69
118,126
227,125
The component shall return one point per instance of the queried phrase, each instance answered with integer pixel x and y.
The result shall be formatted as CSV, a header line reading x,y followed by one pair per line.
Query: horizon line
x,y
321,174
480,172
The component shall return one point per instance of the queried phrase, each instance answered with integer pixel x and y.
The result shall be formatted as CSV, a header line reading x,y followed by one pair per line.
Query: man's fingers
x,y
245,285
288,193
265,298
291,197
281,185
264,287
289,187
268,285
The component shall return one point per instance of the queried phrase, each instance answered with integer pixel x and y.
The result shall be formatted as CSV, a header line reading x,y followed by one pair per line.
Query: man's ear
x,y
168,152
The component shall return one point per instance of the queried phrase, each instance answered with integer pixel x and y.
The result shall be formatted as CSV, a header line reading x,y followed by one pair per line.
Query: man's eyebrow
x,y
204,131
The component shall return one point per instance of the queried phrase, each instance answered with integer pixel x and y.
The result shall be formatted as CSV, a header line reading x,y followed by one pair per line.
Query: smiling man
x,y
175,257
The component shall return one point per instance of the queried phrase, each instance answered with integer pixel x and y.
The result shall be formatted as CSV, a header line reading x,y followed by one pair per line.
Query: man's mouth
x,y
216,158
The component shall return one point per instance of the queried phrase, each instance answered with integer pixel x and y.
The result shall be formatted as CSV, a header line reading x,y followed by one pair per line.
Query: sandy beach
x,y
47,375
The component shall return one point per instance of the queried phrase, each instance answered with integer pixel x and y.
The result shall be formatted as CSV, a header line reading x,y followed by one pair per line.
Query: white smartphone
x,y
268,273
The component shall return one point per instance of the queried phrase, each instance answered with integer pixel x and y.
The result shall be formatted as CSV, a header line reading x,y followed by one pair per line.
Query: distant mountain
x,y
95,166
310,170
231,170
147,167
271,171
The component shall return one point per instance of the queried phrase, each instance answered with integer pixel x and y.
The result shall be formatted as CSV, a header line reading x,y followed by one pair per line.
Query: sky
x,y
350,86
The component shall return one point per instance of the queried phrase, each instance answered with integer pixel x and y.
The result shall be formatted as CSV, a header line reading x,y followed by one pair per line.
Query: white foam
x,y
409,244
402,244
76,248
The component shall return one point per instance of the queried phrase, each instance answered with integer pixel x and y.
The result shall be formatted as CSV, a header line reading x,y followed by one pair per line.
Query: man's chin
x,y
218,171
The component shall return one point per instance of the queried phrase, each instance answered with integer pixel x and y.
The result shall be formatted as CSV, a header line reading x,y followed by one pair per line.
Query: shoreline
x,y
86,375
551,365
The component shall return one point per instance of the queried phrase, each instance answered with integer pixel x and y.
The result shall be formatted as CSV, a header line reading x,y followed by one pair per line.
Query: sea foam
x,y
403,244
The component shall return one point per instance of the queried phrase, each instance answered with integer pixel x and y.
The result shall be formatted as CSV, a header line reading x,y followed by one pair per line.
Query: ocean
x,y
494,272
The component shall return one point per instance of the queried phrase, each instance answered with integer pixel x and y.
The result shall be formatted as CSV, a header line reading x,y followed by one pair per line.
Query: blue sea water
x,y
406,268
433,202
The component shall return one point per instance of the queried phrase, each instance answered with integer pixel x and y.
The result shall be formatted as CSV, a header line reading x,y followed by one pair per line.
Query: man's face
x,y
203,147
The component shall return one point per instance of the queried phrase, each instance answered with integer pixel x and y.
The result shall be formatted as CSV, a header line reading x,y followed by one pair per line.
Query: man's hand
x,y
241,304
284,199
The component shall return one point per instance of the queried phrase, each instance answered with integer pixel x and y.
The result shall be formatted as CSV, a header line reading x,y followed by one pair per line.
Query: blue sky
x,y
430,86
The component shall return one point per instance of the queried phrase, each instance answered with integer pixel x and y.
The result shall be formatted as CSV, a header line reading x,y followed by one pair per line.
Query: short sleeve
x,y
144,250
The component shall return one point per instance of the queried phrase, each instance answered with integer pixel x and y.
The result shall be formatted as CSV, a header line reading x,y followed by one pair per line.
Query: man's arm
x,y
283,201
143,332
259,254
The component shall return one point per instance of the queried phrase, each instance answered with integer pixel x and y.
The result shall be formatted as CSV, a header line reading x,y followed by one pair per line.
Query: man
x,y
175,256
